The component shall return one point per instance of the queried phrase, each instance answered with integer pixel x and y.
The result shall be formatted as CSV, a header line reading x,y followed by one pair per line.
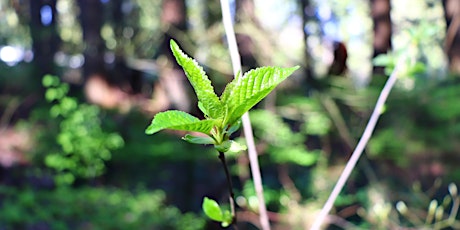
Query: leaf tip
x,y
172,43
149,130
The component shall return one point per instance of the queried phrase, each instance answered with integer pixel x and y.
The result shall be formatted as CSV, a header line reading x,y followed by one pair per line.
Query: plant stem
x,y
359,148
231,195
253,160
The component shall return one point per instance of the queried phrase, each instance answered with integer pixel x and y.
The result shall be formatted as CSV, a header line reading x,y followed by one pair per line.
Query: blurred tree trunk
x,y
380,11
311,83
245,13
120,73
172,81
45,40
452,41
91,20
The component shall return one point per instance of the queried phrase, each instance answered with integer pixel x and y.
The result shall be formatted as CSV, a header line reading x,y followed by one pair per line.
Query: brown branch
x,y
230,190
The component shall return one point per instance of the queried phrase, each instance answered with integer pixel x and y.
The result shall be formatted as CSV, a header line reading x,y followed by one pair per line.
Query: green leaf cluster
x,y
82,146
222,113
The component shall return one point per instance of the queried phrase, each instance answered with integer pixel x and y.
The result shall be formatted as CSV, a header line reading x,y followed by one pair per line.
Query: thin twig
x,y
358,150
231,195
253,160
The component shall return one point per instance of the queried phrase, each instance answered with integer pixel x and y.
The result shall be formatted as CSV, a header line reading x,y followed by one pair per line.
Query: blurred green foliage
x,y
284,146
91,208
81,146
428,125
308,133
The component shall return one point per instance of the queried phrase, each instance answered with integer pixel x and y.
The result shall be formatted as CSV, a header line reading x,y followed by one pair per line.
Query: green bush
x,y
72,139
91,208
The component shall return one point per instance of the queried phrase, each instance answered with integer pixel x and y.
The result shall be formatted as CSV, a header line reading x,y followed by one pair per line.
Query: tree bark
x,y
452,41
91,20
45,40
245,13
380,11
311,83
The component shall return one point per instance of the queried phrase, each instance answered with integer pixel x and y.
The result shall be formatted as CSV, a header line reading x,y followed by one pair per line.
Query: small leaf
x,y
234,127
178,120
227,219
224,146
244,92
209,103
236,147
198,140
50,81
212,210
383,60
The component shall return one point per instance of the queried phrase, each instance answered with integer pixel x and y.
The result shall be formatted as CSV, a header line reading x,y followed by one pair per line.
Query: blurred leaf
x,y
236,147
383,60
212,209
227,219
50,81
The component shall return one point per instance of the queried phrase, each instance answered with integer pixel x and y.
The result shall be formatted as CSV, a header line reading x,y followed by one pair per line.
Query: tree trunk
x,y
311,83
172,79
45,40
91,20
452,41
245,13
380,11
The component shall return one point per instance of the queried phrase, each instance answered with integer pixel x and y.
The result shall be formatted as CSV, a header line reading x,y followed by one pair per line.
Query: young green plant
x,y
222,115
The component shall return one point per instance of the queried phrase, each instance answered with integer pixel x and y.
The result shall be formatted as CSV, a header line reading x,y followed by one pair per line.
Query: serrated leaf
x,y
198,140
203,109
212,210
244,92
178,120
209,102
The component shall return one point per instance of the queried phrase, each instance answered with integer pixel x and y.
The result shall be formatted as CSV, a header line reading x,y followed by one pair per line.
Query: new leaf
x,y
178,120
244,92
209,103
212,209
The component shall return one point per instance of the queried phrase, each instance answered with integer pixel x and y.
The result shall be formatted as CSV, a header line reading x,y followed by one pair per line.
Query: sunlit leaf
x,y
178,120
236,147
212,210
209,103
246,91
